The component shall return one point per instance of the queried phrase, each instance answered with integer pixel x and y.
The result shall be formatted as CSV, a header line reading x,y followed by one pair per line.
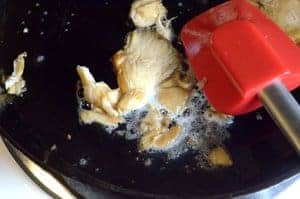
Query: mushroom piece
x,y
219,157
156,131
89,117
145,13
15,84
98,93
164,28
173,99
174,92
211,115
146,60
285,13
102,98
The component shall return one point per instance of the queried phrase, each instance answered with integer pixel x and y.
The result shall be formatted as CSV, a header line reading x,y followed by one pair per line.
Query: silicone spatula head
x,y
240,52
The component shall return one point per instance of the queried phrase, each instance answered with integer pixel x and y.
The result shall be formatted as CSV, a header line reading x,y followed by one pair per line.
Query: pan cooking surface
x,y
60,34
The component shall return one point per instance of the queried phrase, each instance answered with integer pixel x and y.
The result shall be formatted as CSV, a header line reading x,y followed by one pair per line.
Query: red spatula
x,y
247,61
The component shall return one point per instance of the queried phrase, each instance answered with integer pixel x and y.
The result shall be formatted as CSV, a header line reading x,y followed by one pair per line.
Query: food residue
x,y
83,162
25,30
53,147
148,162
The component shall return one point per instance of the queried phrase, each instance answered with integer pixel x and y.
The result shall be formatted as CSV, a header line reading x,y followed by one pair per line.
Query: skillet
x,y
65,33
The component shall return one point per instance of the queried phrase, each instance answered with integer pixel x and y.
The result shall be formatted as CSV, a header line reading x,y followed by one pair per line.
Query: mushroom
x,y
211,115
101,96
15,84
146,60
174,92
89,117
145,13
285,13
219,157
157,132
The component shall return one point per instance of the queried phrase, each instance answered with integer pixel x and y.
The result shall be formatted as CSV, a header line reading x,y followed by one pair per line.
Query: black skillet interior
x,y
64,33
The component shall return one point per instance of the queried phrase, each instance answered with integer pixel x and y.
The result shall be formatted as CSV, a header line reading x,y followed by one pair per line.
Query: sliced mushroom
x,y
164,28
165,139
15,84
219,157
132,100
89,117
156,131
146,60
211,115
173,99
98,93
174,92
102,97
285,13
178,79
158,140
145,13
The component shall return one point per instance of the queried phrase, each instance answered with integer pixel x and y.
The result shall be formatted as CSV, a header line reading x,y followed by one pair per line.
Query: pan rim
x,y
99,184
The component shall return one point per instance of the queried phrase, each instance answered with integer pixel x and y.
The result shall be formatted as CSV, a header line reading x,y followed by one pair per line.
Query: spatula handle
x,y
284,110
